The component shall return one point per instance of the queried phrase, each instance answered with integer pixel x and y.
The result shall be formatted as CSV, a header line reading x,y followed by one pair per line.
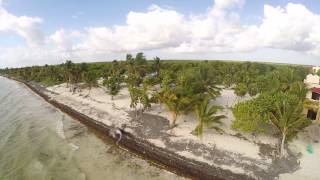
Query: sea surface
x,y
38,142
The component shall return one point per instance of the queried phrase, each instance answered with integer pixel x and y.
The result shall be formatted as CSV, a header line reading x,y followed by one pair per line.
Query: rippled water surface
x,y
39,142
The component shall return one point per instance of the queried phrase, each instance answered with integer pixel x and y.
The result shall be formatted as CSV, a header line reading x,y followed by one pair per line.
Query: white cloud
x,y
293,27
160,29
157,28
164,30
63,40
26,27
217,31
223,4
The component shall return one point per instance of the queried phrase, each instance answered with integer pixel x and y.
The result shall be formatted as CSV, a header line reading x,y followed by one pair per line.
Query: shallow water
x,y
38,142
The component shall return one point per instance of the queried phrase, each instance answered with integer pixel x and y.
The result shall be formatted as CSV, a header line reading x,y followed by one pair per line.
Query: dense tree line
x,y
247,77
189,86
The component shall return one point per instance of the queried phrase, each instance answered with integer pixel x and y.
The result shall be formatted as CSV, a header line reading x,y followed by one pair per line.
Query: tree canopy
x,y
184,86
280,113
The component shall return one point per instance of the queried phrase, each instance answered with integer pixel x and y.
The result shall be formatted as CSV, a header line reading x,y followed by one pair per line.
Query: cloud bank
x,y
163,30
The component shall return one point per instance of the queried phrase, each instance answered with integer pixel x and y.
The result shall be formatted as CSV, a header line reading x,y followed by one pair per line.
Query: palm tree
x,y
113,83
206,117
90,78
75,77
156,66
67,70
144,97
173,103
178,101
207,83
134,95
83,69
287,117
299,88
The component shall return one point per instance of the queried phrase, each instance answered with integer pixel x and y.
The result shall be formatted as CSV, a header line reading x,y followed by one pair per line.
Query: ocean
x,y
38,142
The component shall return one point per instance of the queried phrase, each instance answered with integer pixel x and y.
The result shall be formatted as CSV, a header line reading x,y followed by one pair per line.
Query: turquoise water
x,y
38,142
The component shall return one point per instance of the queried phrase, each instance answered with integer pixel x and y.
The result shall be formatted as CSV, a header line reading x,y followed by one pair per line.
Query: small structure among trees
x,y
311,105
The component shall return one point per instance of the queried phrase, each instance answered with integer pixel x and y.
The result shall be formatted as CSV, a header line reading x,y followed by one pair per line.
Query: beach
x,y
40,142
243,154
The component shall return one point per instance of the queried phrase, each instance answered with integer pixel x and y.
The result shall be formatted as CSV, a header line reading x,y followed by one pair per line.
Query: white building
x,y
312,81
315,69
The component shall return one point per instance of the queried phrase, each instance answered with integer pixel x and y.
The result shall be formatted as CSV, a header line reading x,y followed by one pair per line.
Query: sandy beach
x,y
216,89
253,156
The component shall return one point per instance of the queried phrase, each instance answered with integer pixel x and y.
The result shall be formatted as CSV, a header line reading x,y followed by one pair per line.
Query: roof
x,y
316,90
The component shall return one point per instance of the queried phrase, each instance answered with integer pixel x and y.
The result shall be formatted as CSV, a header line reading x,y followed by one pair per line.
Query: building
x,y
312,109
312,80
313,104
315,69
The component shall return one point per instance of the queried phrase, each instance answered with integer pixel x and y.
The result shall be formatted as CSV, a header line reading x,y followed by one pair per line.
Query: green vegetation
x,y
188,87
114,79
207,118
90,79
241,90
280,112
256,76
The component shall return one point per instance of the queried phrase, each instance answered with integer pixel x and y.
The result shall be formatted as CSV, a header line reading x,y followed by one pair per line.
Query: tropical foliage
x,y
188,86
207,117
90,79
280,113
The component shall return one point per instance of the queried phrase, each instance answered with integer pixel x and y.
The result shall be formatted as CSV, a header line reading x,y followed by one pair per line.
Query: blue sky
x,y
67,27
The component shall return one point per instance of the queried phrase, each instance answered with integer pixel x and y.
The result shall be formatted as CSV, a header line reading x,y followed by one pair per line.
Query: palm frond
x,y
206,116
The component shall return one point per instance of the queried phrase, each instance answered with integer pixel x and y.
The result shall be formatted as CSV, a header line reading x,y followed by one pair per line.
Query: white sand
x,y
98,101
99,106
157,142
310,163
192,156
187,124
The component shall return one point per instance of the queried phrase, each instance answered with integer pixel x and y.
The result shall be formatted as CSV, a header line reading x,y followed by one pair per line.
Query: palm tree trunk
x,y
282,149
175,115
69,81
200,130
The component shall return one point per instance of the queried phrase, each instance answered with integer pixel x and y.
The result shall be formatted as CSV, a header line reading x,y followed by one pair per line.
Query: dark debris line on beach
x,y
156,127
166,157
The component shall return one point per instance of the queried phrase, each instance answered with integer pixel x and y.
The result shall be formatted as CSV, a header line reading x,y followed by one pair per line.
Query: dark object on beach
x,y
116,133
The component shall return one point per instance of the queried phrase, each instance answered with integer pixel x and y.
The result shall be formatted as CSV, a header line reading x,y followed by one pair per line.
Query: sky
x,y
34,32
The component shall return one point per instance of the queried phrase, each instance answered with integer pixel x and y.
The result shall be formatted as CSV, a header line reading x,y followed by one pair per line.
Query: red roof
x,y
316,90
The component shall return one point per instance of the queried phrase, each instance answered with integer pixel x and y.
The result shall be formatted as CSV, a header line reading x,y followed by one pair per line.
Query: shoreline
x,y
164,158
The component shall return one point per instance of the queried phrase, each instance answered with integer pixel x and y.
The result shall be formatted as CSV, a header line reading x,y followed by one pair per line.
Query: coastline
x,y
165,158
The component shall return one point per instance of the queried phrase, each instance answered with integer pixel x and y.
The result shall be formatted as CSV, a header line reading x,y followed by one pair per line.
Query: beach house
x,y
315,69
312,107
